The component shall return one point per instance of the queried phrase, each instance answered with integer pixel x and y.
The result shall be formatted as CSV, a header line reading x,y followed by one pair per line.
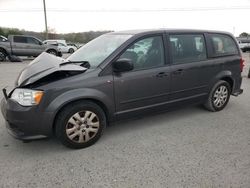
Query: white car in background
x,y
62,46
244,44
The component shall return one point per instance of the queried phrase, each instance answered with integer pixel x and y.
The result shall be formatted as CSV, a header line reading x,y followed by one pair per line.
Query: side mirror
x,y
123,65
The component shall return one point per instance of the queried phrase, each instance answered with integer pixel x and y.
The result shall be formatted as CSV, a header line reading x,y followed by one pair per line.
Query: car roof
x,y
161,30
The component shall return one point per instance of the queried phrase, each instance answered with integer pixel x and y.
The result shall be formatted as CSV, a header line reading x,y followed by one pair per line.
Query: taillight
x,y
241,64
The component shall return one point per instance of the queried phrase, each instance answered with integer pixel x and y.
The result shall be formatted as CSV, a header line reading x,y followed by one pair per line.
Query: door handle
x,y
179,71
161,74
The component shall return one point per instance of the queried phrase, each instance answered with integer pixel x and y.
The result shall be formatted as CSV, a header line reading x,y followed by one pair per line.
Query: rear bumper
x,y
237,86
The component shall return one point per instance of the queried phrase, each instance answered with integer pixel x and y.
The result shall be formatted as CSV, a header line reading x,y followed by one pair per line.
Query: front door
x,y
35,46
148,84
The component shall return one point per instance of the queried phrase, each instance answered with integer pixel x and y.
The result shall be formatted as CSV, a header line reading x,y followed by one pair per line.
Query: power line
x,y
132,10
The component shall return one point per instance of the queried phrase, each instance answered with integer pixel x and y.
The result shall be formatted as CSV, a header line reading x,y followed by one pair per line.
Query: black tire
x,y
63,122
210,103
248,73
71,50
3,55
53,52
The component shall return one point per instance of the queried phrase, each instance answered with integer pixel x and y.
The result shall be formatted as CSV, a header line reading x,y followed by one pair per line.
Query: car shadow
x,y
156,119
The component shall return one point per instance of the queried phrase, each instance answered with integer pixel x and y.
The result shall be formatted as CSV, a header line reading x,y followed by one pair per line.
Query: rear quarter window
x,y
222,45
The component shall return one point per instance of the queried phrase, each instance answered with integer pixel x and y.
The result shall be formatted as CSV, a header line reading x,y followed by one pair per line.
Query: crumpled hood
x,y
44,65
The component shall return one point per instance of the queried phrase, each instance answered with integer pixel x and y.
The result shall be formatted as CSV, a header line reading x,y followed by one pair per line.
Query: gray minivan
x,y
122,75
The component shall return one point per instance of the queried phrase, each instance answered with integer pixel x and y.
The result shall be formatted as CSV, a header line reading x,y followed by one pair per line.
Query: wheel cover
x,y
220,96
82,126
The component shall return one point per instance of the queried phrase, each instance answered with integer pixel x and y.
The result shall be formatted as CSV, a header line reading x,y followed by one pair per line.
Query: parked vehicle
x,y
122,75
62,45
244,44
74,46
21,45
56,41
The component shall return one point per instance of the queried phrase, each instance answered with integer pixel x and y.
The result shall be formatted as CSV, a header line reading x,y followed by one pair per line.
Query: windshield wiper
x,y
82,63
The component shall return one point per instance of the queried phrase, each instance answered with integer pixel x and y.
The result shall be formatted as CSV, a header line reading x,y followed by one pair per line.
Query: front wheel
x,y
80,124
218,96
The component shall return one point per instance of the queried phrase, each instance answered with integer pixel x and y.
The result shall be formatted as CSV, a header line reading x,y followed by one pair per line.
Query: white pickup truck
x,y
21,45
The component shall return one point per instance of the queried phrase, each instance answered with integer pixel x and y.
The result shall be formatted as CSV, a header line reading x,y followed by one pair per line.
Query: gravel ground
x,y
190,147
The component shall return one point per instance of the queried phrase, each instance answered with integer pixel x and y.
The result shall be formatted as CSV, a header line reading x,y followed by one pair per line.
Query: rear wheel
x,y
218,97
80,124
3,55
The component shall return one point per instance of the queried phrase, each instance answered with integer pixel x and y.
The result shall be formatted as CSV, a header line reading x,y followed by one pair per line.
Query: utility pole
x,y
45,18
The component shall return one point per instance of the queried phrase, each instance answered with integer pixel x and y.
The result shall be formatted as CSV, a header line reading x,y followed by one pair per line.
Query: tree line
x,y
244,34
79,37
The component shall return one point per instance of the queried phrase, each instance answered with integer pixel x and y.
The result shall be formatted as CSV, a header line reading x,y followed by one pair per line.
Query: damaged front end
x,y
46,68
20,105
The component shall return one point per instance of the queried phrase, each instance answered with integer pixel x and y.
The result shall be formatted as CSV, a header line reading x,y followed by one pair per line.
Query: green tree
x,y
14,31
2,31
244,34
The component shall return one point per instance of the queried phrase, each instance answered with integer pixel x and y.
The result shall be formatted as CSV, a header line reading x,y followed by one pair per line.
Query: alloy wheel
x,y
220,96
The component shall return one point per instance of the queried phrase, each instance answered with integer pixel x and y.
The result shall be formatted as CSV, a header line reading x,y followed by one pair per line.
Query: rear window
x,y
187,48
223,45
20,39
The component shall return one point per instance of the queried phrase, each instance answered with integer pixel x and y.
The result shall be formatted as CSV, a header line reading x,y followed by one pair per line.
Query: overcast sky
x,y
81,15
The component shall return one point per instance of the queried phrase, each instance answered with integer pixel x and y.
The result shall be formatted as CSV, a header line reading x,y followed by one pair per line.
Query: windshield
x,y
97,50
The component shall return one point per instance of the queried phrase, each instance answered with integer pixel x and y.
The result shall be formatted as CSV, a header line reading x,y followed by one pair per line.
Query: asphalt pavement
x,y
189,147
